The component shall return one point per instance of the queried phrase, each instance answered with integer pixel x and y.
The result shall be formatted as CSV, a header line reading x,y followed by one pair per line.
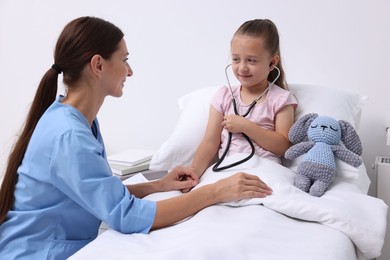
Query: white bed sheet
x,y
248,230
222,232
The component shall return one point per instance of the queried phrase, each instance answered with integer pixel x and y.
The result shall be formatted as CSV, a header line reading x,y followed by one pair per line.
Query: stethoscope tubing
x,y
216,167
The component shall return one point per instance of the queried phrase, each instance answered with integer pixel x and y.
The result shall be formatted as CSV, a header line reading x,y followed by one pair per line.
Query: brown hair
x,y
267,30
79,41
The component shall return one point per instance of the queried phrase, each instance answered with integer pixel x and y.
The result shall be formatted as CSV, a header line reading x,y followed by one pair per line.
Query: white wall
x,y
179,46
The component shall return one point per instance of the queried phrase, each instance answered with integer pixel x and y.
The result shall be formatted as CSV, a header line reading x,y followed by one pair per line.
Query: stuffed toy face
x,y
325,129
321,139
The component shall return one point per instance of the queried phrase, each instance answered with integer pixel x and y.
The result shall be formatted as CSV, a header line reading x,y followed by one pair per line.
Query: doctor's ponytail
x,y
44,96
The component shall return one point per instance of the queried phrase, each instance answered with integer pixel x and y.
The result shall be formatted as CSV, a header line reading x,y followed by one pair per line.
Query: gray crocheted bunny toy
x,y
317,169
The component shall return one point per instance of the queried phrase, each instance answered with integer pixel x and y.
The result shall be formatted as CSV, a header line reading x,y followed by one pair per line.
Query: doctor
x,y
58,186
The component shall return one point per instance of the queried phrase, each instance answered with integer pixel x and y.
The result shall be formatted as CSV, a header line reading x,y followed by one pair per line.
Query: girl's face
x,y
251,61
117,70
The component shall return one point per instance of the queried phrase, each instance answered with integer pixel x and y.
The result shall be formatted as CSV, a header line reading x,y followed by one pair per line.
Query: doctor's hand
x,y
180,178
241,186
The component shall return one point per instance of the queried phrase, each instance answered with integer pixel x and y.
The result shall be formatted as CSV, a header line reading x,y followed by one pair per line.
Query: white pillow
x,y
180,147
339,104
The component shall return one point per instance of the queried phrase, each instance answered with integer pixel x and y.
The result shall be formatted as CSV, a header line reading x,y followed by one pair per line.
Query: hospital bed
x,y
344,223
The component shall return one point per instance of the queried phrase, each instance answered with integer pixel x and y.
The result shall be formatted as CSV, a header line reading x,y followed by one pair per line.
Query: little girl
x,y
256,63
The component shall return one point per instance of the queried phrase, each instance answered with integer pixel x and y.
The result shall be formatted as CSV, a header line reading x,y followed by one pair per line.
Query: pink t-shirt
x,y
262,114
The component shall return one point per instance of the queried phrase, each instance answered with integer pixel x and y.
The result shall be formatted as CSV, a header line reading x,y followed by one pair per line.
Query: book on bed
x,y
131,157
122,170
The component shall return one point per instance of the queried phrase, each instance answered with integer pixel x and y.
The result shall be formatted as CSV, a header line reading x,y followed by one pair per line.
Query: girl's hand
x,y
179,178
234,124
241,186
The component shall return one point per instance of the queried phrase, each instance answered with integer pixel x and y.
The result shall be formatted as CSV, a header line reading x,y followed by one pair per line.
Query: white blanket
x,y
343,207
245,230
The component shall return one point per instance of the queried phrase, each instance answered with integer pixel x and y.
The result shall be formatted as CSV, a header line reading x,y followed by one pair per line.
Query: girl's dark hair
x,y
79,41
267,30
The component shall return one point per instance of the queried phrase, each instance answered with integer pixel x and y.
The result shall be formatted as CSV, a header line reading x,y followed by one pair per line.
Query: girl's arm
x,y
208,148
276,141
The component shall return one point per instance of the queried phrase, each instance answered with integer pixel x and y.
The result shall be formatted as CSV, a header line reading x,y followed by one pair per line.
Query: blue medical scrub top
x,y
65,189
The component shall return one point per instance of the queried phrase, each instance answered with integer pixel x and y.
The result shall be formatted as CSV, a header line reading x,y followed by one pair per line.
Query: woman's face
x,y
117,70
250,61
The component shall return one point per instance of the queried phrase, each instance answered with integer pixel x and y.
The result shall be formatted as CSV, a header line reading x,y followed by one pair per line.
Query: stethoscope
x,y
216,167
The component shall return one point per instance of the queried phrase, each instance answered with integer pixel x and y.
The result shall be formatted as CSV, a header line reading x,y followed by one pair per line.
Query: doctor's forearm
x,y
172,210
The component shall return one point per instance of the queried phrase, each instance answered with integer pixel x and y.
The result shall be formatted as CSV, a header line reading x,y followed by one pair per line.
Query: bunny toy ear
x,y
350,138
298,131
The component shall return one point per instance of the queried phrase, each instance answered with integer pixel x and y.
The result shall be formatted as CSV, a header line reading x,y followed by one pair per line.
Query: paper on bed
x,y
343,207
137,178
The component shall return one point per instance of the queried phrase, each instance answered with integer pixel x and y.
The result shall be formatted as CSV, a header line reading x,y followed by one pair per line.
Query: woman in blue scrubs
x,y
58,186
